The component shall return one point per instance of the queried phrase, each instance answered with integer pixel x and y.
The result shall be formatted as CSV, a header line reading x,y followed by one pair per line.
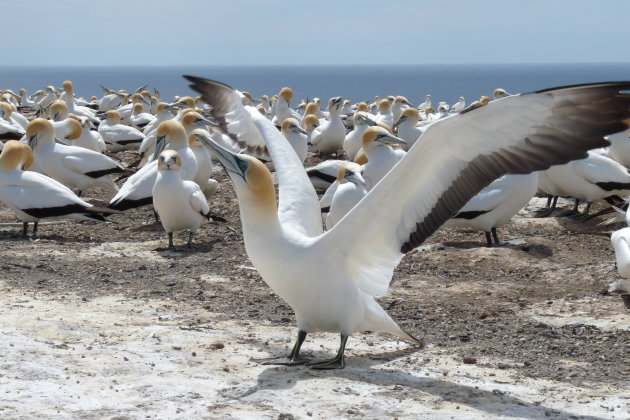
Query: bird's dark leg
x,y
337,362
495,236
488,240
170,240
35,226
157,216
24,229
553,199
293,359
190,236
79,193
573,212
582,216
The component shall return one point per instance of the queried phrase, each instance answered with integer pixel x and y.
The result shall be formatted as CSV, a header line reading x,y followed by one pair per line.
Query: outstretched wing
x,y
460,155
298,205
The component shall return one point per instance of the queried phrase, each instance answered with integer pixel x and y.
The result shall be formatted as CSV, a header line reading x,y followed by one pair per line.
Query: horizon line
x,y
310,65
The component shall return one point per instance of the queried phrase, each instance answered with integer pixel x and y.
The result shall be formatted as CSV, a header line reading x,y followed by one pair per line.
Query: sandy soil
x,y
99,322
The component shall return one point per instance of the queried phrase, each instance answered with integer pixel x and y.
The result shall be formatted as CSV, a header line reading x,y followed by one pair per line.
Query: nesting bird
x,y
75,167
118,136
34,196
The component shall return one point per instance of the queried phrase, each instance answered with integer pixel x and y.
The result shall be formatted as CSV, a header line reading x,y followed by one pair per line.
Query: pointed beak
x,y
300,130
355,178
228,159
401,119
160,144
205,122
32,141
390,139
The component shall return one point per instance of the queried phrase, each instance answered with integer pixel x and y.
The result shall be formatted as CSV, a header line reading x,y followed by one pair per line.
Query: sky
x,y
325,32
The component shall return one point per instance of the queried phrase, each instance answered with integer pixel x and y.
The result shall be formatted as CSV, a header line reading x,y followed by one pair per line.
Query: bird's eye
x,y
242,165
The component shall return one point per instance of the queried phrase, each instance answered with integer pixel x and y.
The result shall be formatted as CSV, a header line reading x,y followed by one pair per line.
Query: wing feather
x,y
298,205
460,155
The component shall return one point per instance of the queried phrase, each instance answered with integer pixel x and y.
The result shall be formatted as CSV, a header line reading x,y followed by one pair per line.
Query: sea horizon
x,y
356,82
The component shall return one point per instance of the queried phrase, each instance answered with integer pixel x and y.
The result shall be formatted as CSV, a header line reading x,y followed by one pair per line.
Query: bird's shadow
x,y
182,252
360,369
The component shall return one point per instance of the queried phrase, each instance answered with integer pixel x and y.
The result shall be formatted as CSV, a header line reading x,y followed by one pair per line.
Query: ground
x,y
98,320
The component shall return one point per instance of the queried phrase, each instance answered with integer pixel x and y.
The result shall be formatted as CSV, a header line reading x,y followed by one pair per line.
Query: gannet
x,y
48,98
310,123
592,178
324,173
407,127
203,176
620,240
147,147
125,111
139,118
426,104
496,204
117,136
384,114
89,139
58,111
400,104
350,189
311,108
17,118
376,142
499,93
458,106
283,108
352,142
373,107
346,108
110,102
68,97
619,148
25,100
34,196
180,203
296,136
193,123
137,189
9,130
457,158
75,167
329,136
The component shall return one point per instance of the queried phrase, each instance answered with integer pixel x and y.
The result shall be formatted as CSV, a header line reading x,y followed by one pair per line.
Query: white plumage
x,y
330,279
75,167
180,204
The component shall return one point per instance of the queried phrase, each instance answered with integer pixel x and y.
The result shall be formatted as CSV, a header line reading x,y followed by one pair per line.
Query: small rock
x,y
470,360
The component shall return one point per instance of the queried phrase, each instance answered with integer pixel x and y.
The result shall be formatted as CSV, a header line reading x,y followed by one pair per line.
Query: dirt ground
x,y
99,321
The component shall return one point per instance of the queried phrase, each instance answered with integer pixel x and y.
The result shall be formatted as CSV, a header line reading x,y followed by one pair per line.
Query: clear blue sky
x,y
248,32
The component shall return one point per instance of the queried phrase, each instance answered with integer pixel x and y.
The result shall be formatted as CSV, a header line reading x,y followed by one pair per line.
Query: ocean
x,y
357,83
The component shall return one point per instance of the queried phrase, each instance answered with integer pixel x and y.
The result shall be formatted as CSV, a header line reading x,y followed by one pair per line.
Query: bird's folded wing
x,y
298,206
94,162
487,199
37,191
460,155
198,202
599,168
